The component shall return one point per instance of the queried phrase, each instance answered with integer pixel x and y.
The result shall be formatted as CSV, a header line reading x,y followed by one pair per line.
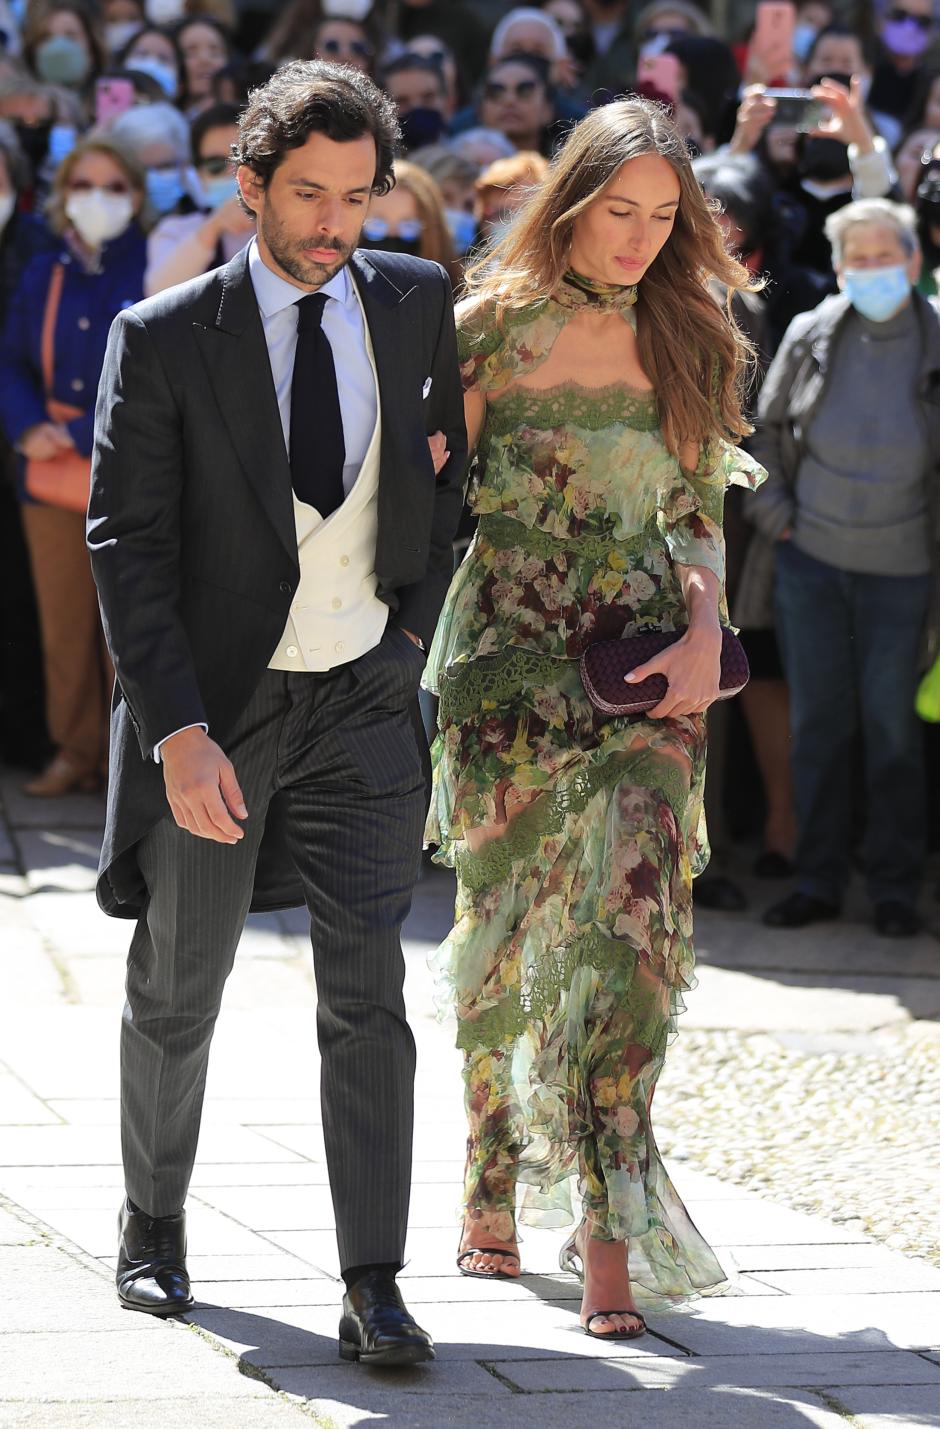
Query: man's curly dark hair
x,y
316,97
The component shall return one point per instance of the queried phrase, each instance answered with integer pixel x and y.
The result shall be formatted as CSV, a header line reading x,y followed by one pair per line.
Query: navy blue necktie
x,y
317,446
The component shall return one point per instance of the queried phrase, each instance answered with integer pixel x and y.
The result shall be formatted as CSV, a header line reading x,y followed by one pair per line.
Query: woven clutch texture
x,y
604,664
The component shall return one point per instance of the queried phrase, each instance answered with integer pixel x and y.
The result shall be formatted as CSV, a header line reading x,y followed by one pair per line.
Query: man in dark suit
x,y
270,529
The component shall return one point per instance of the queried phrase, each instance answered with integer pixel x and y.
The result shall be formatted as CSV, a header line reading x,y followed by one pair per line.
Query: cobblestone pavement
x,y
797,1112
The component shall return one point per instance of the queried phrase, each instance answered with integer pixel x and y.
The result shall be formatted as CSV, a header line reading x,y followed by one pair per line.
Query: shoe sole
x,y
162,1312
399,1357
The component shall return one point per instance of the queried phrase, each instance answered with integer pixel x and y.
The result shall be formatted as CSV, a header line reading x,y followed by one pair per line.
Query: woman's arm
x,y
693,665
474,411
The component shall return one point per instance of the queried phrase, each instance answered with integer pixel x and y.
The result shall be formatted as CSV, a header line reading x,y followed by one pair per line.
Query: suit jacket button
x,y
286,587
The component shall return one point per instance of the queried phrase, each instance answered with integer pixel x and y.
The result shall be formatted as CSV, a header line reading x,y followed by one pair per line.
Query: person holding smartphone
x,y
185,245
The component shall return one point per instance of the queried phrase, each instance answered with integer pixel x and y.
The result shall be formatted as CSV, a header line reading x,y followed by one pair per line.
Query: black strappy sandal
x,y
466,1255
615,1334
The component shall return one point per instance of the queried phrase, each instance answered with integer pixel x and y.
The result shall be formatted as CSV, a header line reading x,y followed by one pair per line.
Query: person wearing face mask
x,y
419,90
410,218
121,20
61,45
159,137
183,245
51,355
906,31
849,430
154,51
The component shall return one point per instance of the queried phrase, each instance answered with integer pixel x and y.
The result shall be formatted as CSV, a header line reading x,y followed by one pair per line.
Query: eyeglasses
x,y
215,164
375,229
496,89
436,57
116,186
359,48
900,15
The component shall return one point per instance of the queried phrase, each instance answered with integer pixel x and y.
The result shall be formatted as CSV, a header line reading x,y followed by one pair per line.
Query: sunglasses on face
x,y
375,229
359,48
899,14
215,164
116,186
496,89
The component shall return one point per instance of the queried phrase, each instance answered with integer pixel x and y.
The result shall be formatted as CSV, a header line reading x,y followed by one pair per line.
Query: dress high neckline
x,y
577,291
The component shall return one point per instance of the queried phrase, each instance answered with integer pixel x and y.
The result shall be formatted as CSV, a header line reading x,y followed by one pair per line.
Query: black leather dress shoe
x,y
376,1328
799,909
894,919
151,1268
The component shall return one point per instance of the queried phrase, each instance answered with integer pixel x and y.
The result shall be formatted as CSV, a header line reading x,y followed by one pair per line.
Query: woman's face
x,y
907,159
344,42
395,208
204,52
621,232
154,46
65,25
568,14
97,170
115,12
515,102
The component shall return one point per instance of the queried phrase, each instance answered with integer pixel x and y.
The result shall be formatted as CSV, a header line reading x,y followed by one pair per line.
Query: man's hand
x,y
201,787
692,667
439,453
44,441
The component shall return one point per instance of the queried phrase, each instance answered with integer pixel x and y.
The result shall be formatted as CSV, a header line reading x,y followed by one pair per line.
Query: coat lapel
x,y
236,357
388,309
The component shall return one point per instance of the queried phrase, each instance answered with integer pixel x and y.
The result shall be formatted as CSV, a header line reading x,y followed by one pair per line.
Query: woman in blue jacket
x,y
50,359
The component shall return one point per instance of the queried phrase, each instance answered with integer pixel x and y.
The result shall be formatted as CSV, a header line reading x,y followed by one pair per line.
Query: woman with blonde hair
x,y
410,218
603,389
50,360
503,188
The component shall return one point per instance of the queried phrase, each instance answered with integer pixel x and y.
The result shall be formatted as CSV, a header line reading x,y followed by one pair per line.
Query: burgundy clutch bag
x,y
604,664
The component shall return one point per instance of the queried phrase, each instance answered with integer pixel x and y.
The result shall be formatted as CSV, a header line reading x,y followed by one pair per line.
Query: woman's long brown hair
x,y
692,350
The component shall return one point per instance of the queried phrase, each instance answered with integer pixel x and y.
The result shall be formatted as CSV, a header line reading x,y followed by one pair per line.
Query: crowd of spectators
x,y
116,122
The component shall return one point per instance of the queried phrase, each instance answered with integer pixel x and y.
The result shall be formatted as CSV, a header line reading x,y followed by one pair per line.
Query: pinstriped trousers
x,y
339,751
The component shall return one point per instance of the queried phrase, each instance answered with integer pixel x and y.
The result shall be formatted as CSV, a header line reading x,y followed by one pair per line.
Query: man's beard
x,y
290,256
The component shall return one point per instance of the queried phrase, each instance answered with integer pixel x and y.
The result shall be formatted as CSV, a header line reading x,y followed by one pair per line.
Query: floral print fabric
x,y
574,836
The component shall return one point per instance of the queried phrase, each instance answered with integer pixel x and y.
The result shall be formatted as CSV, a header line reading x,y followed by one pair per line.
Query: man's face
x,y
417,89
311,213
836,54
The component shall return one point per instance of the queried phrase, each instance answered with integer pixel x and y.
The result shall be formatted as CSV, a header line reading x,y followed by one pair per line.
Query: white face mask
x,y
99,216
163,12
7,205
120,33
346,9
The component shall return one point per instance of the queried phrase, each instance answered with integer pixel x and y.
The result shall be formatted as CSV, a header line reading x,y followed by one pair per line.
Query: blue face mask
x,y
876,293
803,37
164,74
463,228
164,189
218,190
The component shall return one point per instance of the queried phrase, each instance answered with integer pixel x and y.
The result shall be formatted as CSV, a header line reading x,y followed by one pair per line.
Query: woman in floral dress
x,y
603,393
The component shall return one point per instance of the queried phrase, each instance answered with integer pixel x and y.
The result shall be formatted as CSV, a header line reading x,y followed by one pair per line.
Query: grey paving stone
x,y
882,1407
911,1275
207,1411
140,1362
863,1254
674,1410
769,1371
805,1324
66,859
351,1384
763,1223
72,811
20,1107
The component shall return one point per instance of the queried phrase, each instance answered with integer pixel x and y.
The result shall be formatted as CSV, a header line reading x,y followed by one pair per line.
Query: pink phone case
x,y
113,97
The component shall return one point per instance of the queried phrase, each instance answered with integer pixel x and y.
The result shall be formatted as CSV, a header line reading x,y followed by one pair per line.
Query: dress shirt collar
x,y
275,293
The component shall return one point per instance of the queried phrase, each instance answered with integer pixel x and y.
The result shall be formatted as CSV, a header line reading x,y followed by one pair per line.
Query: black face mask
x,y
580,47
822,159
420,127
394,244
844,79
34,140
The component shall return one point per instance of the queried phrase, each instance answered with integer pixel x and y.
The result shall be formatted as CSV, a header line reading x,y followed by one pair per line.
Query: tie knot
x,y
310,311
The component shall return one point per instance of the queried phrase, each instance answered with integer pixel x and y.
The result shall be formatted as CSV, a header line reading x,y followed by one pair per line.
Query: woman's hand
x,y
44,441
692,668
846,121
439,453
753,117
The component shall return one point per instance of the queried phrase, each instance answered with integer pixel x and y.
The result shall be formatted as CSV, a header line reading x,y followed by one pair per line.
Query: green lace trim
x,y
547,813
495,679
591,408
507,534
543,987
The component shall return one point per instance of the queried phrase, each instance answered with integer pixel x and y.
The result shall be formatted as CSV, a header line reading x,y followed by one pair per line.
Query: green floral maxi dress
x,y
574,836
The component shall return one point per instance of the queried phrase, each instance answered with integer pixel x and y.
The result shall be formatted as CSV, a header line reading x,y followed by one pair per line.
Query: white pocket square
x,y
426,388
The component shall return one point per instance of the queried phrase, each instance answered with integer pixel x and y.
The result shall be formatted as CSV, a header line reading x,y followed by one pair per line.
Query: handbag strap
x,y
47,340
